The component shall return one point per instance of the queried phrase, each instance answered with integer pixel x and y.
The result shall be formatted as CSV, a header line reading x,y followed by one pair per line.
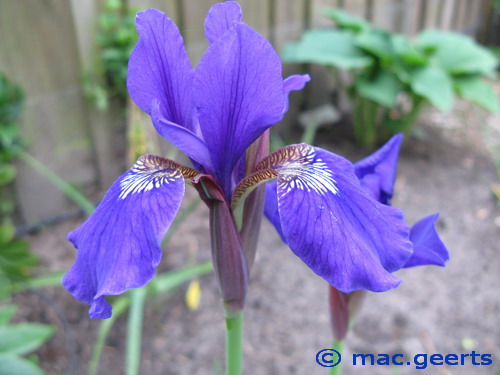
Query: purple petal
x,y
184,139
295,82
271,208
427,246
220,18
334,226
238,90
378,171
159,69
119,245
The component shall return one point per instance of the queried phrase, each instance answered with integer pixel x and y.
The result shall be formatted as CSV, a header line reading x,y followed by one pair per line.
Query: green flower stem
x,y
119,307
234,342
338,346
134,331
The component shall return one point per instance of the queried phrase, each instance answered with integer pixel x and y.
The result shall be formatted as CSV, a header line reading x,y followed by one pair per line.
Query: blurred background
x,y
68,129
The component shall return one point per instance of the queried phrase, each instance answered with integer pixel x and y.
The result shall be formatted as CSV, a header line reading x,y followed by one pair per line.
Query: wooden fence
x,y
46,45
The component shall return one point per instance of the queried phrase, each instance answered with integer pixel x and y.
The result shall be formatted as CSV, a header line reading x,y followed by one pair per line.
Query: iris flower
x,y
219,115
377,174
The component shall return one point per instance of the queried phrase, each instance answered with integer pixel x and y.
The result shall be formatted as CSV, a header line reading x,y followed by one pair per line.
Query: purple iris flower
x,y
377,174
219,115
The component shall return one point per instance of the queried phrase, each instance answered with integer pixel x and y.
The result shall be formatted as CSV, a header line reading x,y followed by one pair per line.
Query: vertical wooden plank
x,y
289,22
39,50
476,21
432,18
369,10
383,14
256,14
411,12
193,28
447,14
461,14
422,14
356,8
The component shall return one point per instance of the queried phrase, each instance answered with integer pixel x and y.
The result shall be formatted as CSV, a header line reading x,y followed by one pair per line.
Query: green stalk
x,y
357,118
369,122
65,188
338,346
119,307
234,342
134,331
309,134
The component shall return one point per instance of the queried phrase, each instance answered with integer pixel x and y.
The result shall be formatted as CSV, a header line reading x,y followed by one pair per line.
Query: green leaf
x,y
327,47
383,89
435,85
6,313
7,231
345,20
14,365
173,279
23,338
408,52
376,42
477,91
457,53
7,174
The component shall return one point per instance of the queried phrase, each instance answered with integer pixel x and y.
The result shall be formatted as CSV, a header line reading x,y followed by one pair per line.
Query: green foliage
x,y
390,78
115,38
17,340
15,257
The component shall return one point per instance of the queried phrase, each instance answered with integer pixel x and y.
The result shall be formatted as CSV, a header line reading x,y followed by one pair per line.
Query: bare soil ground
x,y
446,168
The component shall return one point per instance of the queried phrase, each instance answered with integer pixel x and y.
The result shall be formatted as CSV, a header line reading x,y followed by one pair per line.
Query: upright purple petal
x,y
159,69
238,90
184,139
427,246
220,18
118,247
377,172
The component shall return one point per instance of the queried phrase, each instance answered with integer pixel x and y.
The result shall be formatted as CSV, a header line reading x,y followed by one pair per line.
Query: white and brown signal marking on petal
x,y
296,167
152,172
305,171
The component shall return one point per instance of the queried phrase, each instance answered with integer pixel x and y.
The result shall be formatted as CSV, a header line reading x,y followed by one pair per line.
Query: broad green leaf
x,y
457,53
345,20
477,91
435,85
14,365
327,47
7,231
383,89
376,42
408,52
6,313
23,338
7,174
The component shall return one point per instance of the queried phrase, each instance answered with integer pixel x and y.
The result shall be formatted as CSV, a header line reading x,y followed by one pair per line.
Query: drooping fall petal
x,y
118,246
330,222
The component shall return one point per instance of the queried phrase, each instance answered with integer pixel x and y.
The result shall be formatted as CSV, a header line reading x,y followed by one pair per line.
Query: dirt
x,y
445,168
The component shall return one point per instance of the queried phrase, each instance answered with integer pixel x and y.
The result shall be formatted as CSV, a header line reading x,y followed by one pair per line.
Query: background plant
x,y
15,257
390,79
115,40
